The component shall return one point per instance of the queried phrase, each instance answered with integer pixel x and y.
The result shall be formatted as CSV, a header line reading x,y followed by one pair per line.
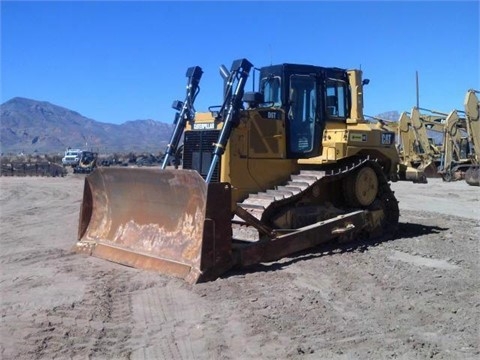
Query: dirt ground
x,y
414,297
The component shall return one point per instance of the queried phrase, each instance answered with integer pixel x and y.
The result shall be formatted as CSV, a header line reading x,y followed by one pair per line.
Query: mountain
x,y
30,126
389,115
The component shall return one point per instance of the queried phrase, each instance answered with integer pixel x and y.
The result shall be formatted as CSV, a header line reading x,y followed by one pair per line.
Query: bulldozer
x,y
266,174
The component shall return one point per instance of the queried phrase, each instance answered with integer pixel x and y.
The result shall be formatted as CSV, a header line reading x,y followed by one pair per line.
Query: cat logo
x,y
204,126
388,138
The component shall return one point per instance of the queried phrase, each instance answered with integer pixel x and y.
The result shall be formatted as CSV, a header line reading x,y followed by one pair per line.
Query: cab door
x,y
304,125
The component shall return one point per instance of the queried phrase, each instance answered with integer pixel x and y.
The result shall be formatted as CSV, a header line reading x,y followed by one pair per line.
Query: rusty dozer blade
x,y
170,221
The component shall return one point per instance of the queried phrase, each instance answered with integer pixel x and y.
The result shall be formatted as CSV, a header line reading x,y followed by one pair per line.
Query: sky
x,y
115,61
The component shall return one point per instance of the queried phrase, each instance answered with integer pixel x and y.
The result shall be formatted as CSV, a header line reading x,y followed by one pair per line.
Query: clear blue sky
x,y
115,61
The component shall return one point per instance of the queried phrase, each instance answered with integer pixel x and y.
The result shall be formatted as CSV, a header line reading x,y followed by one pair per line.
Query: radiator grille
x,y
197,152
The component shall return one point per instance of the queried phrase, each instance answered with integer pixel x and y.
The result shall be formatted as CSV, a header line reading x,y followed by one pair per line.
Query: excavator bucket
x,y
170,221
429,169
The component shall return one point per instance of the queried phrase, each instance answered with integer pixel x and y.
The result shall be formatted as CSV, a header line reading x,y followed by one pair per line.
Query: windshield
x,y
271,89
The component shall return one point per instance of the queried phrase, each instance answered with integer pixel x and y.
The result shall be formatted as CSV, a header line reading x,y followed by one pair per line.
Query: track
x,y
323,191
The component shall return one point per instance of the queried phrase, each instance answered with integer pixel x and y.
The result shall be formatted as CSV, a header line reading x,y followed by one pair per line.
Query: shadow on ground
x,y
405,231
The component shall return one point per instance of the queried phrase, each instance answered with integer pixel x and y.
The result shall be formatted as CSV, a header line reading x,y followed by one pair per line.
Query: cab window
x,y
336,104
271,89
302,113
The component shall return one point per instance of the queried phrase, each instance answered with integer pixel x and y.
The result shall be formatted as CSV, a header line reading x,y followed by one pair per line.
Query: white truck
x,y
72,157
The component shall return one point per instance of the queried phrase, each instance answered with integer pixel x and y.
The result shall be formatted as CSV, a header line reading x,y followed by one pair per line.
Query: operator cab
x,y
309,96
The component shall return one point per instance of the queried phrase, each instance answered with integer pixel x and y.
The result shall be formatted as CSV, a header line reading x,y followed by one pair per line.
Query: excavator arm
x,y
472,112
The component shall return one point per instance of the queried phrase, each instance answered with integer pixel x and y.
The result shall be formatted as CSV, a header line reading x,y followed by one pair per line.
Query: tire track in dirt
x,y
172,316
255,318
97,326
32,257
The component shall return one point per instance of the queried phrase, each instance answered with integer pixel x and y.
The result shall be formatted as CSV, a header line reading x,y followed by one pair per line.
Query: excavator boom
x,y
472,112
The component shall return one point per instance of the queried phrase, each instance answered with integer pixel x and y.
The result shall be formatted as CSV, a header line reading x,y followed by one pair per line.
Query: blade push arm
x,y
234,88
185,111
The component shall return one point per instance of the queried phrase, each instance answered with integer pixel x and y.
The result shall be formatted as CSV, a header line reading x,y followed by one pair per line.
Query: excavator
x,y
415,148
435,126
472,114
461,158
266,174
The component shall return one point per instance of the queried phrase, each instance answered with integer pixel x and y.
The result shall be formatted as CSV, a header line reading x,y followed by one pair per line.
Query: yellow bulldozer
x,y
294,161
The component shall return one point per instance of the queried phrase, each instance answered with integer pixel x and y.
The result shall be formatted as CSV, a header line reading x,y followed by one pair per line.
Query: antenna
x,y
418,95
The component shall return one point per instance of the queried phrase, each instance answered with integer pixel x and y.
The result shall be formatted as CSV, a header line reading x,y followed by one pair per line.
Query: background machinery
x,y
87,162
461,158
297,164
472,115
415,147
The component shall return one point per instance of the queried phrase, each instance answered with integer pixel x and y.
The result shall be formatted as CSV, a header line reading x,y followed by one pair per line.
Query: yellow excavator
x,y
472,114
461,154
293,163
415,147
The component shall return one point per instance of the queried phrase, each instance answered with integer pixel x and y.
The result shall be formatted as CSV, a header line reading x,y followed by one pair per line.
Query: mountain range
x,y
30,126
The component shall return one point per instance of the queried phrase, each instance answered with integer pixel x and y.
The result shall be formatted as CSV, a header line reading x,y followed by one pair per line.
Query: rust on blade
x,y
145,218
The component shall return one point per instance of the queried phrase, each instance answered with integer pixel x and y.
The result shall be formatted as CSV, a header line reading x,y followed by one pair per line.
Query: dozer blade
x,y
170,221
